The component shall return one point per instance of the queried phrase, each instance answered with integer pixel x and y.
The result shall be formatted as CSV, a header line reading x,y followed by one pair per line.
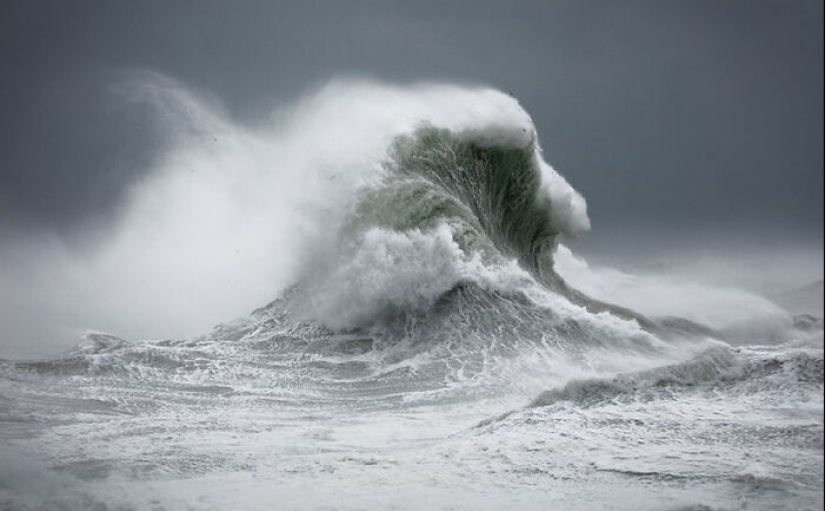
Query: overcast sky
x,y
694,115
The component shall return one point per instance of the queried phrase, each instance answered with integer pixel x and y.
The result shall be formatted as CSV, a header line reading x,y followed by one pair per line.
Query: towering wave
x,y
453,206
231,214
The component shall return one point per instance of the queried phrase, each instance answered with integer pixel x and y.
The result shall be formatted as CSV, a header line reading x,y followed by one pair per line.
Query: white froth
x,y
385,272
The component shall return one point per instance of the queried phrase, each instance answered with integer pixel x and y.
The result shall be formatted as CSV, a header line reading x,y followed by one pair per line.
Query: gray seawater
x,y
456,408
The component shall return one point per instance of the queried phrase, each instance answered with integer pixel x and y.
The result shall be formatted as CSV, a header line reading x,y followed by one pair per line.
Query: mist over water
x,y
748,303
366,296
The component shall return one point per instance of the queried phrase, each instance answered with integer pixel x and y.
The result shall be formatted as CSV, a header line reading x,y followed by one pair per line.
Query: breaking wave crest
x,y
474,203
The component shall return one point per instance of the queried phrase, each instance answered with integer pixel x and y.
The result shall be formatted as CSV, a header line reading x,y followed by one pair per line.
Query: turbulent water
x,y
426,355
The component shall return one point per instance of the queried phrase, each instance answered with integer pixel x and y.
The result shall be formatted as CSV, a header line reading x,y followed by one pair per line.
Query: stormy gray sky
x,y
682,123
699,114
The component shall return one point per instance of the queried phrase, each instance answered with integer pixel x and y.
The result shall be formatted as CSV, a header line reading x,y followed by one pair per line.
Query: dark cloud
x,y
661,113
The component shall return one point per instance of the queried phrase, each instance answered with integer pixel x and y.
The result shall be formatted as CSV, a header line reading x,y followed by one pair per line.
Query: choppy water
x,y
262,416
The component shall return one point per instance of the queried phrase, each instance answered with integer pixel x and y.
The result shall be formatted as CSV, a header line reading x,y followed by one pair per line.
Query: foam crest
x,y
385,273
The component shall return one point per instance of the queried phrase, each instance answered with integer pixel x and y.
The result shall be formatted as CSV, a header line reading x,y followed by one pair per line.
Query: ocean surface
x,y
436,349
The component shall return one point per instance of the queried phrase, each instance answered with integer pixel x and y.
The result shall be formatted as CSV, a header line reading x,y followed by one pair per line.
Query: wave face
x,y
490,190
473,202
422,352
